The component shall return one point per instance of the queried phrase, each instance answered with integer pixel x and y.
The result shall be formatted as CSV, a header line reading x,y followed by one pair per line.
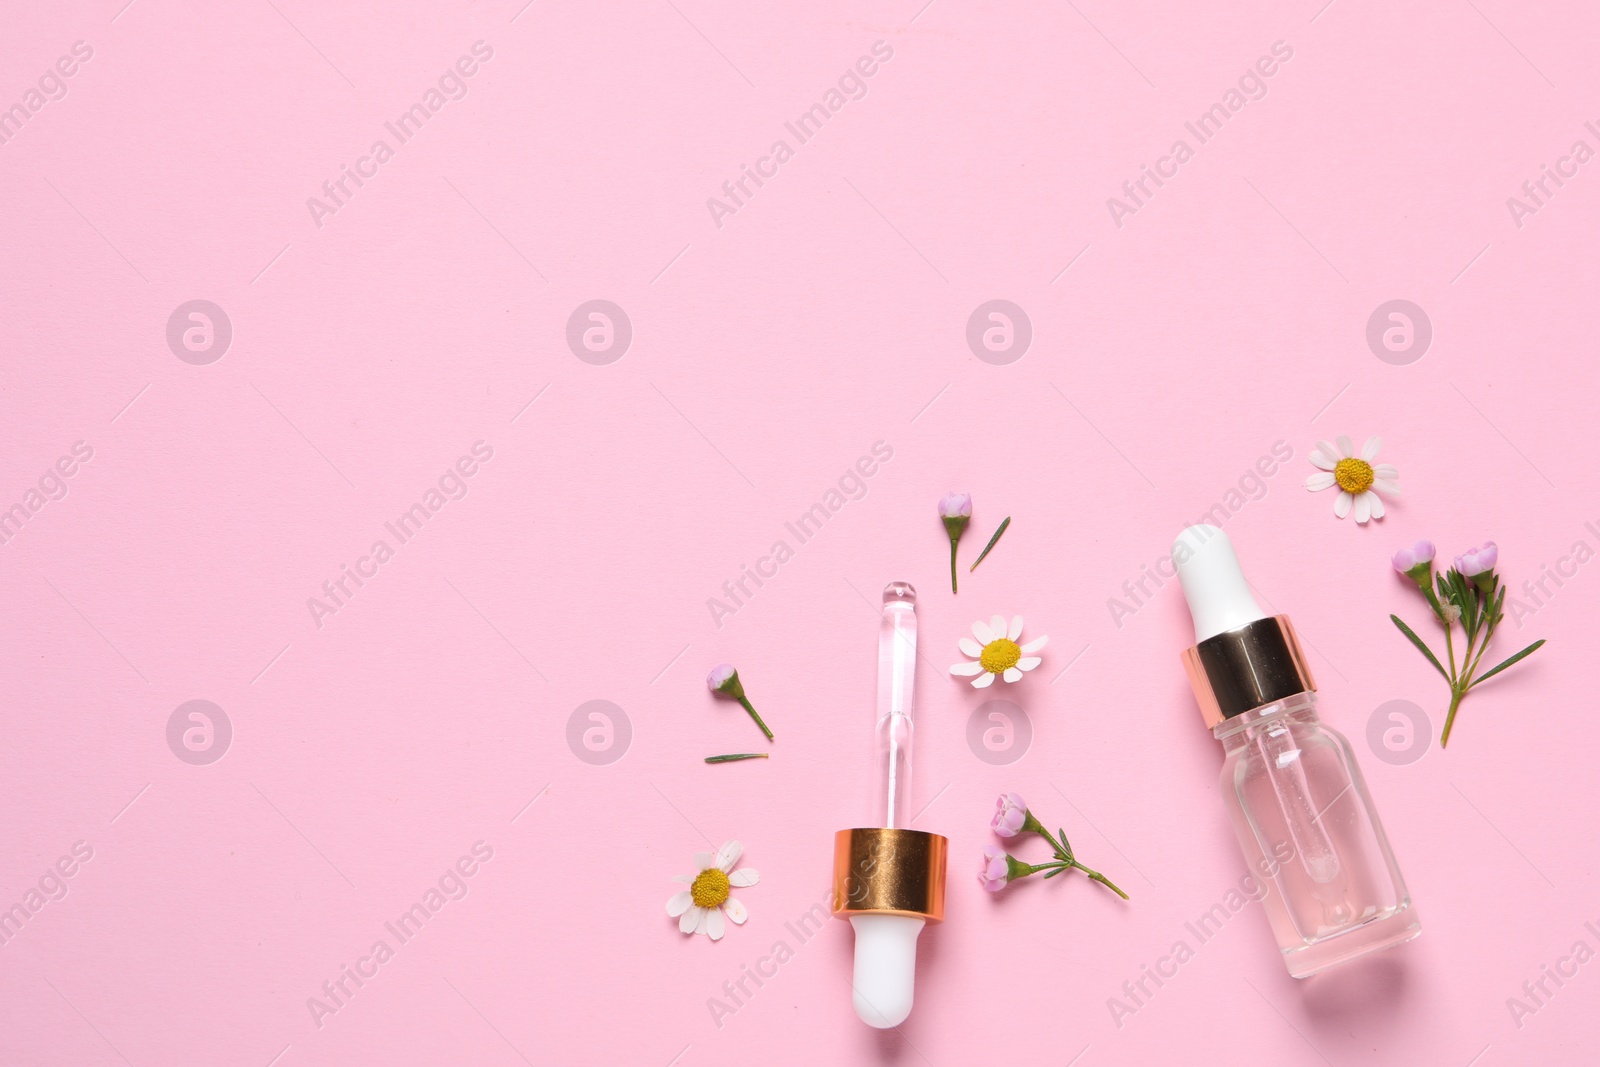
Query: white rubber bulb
x,y
1213,583
886,967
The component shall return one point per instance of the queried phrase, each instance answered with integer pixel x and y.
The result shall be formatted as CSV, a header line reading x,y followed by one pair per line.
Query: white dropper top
x,y
1213,583
885,977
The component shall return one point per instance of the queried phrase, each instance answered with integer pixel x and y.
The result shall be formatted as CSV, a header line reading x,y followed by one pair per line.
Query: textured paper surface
x,y
626,469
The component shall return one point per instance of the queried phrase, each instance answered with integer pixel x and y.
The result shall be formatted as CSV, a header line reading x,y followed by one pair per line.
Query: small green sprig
x,y
1468,594
1013,818
955,511
724,681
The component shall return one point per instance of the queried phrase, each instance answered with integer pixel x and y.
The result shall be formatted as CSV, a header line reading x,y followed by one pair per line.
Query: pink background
x,y
829,312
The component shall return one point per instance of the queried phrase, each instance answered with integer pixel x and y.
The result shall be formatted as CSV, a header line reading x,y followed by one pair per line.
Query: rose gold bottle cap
x,y
1243,658
879,871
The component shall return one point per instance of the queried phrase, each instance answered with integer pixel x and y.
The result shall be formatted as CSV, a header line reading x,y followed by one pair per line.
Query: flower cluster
x,y
1470,595
1012,818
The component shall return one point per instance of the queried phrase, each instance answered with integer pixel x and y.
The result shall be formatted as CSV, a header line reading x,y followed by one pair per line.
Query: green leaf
x,y
1000,530
1492,671
1461,596
1474,604
1421,647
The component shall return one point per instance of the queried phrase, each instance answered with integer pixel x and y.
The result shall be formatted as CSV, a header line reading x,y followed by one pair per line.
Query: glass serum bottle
x,y
1299,804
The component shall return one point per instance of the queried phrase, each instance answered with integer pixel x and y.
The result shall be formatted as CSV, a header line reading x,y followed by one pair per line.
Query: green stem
x,y
733,757
1031,825
1096,876
1450,718
1473,669
1433,600
1092,875
954,538
1450,647
745,701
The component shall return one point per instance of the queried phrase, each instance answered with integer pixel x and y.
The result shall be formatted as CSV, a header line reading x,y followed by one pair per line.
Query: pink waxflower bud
x,y
956,505
955,511
1407,559
1478,564
1416,562
1011,813
1474,561
724,679
995,871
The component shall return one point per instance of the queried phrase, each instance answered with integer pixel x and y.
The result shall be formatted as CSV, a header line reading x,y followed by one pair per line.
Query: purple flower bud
x,y
1407,559
995,871
723,679
1416,562
956,505
1011,811
1478,565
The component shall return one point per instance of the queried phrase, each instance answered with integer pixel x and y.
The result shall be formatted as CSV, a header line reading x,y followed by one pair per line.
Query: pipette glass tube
x,y
897,664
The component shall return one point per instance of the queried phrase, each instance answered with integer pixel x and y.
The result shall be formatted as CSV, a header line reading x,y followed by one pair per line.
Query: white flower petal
x,y
1035,645
1028,663
1370,450
1376,504
1016,628
729,854
1320,459
679,903
716,926
1012,675
981,631
1347,448
1363,507
983,681
1320,481
702,860
744,876
966,670
701,920
1385,470
997,626
969,647
691,919
683,878
1341,506
1383,485
1329,454
735,911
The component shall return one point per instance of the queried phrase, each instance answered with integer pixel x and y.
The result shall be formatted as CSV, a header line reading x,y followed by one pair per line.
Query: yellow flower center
x,y
1000,655
710,887
1353,475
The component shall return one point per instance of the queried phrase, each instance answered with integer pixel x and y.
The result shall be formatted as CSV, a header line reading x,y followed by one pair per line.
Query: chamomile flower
x,y
1358,479
701,908
996,652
